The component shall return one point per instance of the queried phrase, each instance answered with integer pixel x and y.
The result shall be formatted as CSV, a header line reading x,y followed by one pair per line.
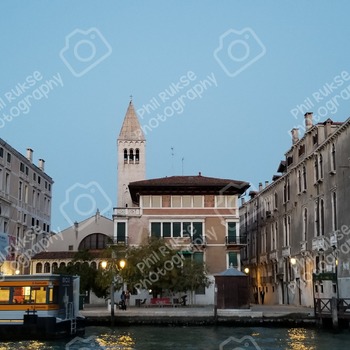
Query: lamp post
x,y
246,271
104,264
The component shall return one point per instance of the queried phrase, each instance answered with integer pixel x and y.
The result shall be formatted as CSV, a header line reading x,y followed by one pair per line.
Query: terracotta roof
x,y
65,255
131,128
187,184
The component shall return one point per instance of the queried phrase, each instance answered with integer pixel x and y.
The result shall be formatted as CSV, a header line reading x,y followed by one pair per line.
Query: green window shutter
x,y
186,229
197,232
155,229
233,259
198,257
121,228
166,229
231,234
176,229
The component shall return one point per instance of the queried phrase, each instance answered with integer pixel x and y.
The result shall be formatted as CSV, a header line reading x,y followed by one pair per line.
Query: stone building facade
x,y
196,214
25,208
298,227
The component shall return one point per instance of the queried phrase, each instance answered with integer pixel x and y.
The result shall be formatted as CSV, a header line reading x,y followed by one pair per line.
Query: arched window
x,y
304,178
305,224
137,156
320,162
93,265
334,211
54,267
321,217
62,265
333,164
276,200
39,268
125,155
316,168
131,154
94,241
47,267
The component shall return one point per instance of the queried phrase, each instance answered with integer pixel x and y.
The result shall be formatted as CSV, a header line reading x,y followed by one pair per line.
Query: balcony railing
x,y
273,255
318,244
286,251
128,212
236,240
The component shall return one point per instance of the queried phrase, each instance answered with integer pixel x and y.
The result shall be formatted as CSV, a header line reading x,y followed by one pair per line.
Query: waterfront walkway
x,y
198,315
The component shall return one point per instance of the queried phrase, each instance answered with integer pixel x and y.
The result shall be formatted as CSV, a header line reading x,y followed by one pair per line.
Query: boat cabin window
x,y
4,295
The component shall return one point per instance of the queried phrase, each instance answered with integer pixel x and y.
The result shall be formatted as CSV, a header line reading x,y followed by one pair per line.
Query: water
x,y
170,338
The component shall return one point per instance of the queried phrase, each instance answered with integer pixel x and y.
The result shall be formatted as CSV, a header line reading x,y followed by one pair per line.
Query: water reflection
x,y
116,341
301,339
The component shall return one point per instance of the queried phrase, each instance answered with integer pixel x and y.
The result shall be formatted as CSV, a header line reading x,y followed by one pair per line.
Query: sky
x,y
217,85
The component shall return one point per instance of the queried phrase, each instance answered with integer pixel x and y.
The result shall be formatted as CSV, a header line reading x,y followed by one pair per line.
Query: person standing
x,y
262,296
123,299
127,298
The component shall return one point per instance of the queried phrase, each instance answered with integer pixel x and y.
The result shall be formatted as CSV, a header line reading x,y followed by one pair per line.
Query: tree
x,y
157,266
80,266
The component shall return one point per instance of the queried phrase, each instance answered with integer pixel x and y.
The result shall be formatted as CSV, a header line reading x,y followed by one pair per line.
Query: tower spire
x,y
131,129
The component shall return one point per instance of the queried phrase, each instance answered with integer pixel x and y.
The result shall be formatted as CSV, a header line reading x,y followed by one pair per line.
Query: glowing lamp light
x,y
122,264
293,261
104,264
246,270
17,272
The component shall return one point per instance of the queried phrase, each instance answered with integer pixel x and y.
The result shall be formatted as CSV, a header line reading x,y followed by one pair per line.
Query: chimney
x,y
41,164
295,135
242,200
266,183
308,120
260,186
30,154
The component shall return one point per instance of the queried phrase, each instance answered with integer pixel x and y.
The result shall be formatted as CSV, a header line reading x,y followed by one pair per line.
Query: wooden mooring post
x,y
334,310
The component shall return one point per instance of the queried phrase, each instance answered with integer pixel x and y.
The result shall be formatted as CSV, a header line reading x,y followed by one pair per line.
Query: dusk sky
x,y
218,85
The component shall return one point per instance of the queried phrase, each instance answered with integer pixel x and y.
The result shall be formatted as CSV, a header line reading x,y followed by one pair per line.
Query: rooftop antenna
x,y
182,165
172,160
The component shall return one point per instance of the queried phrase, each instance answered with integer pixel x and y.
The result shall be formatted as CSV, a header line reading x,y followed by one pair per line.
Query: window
x,y
94,241
121,232
334,211
317,221
46,267
320,164
232,232
233,259
39,268
20,190
39,180
137,155
304,178
156,201
131,154
34,176
176,201
7,183
304,237
27,171
186,201
286,227
316,168
198,201
175,229
299,181
70,247
321,231
1,152
4,295
125,155
26,194
275,200
156,229
263,240
21,167
333,163
8,157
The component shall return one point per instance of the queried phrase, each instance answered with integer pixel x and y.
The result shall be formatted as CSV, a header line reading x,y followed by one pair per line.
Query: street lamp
x,y
104,264
246,270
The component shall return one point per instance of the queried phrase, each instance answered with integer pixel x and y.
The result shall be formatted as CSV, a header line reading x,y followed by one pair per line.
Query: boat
x,y
40,306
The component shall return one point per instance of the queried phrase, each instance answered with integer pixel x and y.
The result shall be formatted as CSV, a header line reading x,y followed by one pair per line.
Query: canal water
x,y
170,338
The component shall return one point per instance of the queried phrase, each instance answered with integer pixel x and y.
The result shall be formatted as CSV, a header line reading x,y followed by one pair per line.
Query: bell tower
x,y
131,145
